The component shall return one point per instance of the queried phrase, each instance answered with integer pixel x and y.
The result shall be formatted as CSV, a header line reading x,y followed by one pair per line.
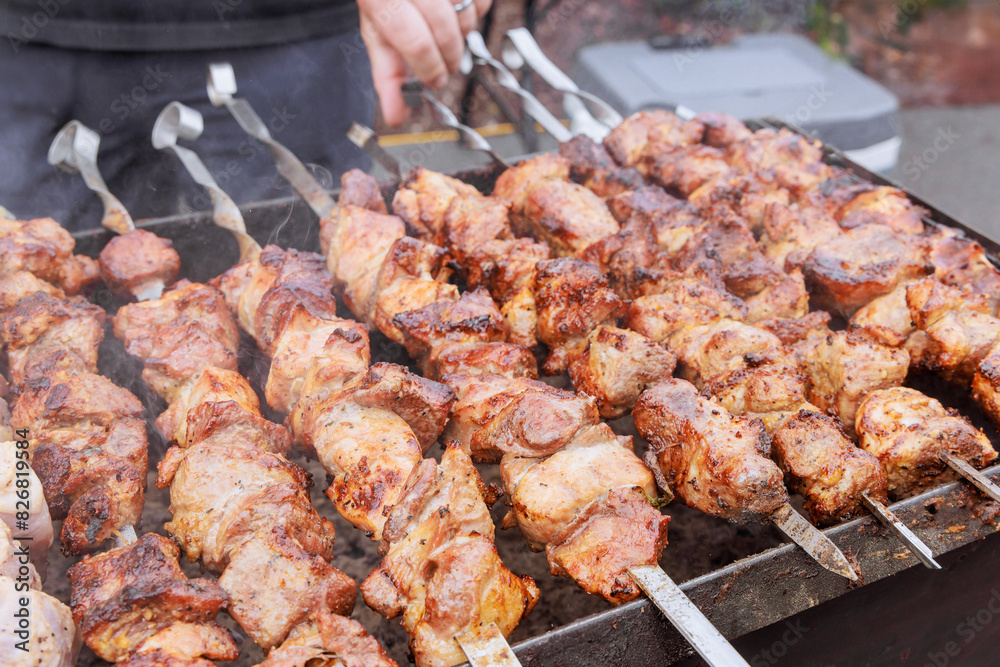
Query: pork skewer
x,y
620,506
136,264
318,371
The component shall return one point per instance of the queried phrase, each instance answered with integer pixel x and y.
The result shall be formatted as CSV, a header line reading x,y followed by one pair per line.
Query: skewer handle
x,y
75,150
687,618
482,56
488,648
973,476
414,92
914,543
179,121
221,89
520,49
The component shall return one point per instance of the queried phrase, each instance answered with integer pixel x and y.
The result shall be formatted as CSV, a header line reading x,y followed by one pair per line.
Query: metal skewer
x,y
365,138
914,543
221,88
589,114
487,648
75,150
812,541
973,476
178,121
482,56
686,617
414,92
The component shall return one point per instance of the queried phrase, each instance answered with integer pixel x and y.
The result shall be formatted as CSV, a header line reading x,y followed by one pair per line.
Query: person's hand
x,y
426,36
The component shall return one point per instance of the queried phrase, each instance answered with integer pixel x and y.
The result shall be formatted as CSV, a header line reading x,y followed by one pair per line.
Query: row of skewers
x,y
691,283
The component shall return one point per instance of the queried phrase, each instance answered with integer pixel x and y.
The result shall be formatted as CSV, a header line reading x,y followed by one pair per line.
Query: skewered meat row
x,y
40,632
573,484
88,439
370,428
139,265
238,505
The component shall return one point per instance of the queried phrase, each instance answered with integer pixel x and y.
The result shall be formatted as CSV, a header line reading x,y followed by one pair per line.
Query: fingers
x,y
405,30
468,18
482,6
444,24
388,74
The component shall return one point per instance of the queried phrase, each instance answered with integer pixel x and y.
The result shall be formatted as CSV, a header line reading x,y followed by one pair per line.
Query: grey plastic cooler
x,y
755,75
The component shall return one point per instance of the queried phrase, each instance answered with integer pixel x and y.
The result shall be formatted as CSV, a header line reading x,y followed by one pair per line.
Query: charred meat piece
x,y
135,599
572,297
516,183
787,298
507,359
864,263
423,199
686,302
505,268
593,167
709,350
960,329
441,571
907,431
960,261
615,366
789,234
177,336
639,138
825,467
470,222
88,447
567,216
42,247
360,189
411,277
721,129
881,206
843,366
727,244
716,462
139,265
684,169
797,161
325,636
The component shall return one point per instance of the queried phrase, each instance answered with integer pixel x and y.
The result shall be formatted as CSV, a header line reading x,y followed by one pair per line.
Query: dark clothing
x,y
308,93
171,25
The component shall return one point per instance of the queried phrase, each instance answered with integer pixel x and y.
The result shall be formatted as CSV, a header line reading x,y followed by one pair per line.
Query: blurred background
x,y
939,59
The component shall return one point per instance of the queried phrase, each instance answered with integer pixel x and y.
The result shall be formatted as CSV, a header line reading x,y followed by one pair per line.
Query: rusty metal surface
x,y
740,598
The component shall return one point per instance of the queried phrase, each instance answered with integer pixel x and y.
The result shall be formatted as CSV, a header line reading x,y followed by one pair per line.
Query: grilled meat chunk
x,y
423,199
572,297
960,261
471,221
360,189
874,205
825,467
642,136
958,325
135,599
505,268
684,169
685,302
593,167
139,265
42,247
88,447
441,570
790,233
721,129
716,462
863,263
615,366
908,431
843,366
709,350
567,216
179,335
324,637
516,183
795,160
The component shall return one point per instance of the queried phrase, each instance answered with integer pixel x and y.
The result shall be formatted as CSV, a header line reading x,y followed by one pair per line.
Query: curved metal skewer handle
x,y
520,49
414,91
75,150
482,56
177,121
488,648
221,89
